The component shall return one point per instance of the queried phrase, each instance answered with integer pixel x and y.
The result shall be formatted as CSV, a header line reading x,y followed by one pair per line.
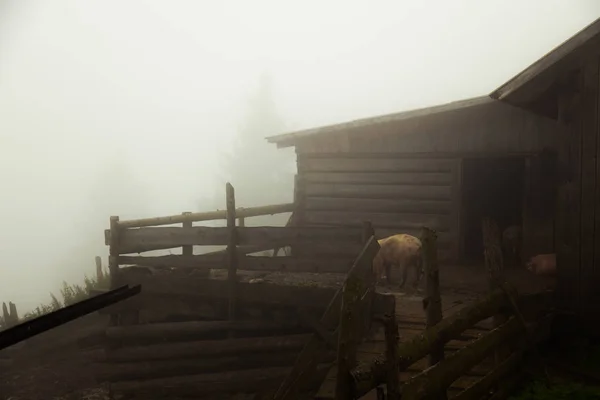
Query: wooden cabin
x,y
444,167
564,85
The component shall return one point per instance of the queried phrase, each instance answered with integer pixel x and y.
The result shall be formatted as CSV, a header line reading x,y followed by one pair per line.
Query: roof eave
x,y
524,87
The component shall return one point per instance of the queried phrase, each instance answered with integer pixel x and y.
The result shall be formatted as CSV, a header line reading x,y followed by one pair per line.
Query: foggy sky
x,y
144,96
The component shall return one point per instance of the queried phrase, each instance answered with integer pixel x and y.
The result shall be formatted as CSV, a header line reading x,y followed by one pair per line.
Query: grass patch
x,y
69,294
565,391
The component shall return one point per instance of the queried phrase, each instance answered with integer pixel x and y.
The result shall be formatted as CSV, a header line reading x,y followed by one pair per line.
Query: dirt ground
x,y
53,367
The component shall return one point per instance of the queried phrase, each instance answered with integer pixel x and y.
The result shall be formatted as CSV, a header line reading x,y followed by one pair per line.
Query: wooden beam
x,y
428,384
379,178
373,164
365,205
366,377
156,238
442,223
208,216
208,348
189,328
347,190
248,263
254,293
143,370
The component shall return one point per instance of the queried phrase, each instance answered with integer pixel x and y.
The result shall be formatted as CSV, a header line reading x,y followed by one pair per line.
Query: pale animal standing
x,y
400,252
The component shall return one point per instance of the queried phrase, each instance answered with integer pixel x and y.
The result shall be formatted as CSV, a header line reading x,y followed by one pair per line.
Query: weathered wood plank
x,y
378,205
567,278
482,386
440,223
208,384
589,120
248,263
306,361
439,377
380,178
174,330
208,216
368,376
597,193
379,191
155,238
263,293
114,372
439,165
574,209
208,348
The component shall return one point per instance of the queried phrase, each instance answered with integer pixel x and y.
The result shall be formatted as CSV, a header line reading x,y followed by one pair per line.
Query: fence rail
x,y
208,216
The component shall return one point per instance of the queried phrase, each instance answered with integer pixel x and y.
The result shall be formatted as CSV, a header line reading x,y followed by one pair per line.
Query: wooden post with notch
x,y
232,259
392,338
113,261
348,338
432,302
187,251
14,316
99,272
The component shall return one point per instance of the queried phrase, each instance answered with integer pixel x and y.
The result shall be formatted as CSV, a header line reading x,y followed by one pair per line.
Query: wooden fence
x,y
516,318
191,333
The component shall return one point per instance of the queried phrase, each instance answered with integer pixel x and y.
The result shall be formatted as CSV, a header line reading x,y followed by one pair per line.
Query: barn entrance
x,y
491,187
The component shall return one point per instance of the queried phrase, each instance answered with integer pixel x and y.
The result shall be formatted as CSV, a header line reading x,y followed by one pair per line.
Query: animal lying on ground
x,y
511,245
401,252
542,264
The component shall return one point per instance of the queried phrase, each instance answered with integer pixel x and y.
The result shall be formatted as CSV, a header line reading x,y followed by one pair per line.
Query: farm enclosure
x,y
203,327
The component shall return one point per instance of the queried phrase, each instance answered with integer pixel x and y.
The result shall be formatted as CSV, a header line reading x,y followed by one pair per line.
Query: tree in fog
x,y
260,173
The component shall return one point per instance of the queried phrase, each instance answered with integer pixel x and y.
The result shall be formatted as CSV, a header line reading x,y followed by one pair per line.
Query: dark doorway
x,y
491,187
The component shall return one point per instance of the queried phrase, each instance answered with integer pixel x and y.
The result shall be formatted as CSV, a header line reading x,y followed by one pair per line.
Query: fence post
x,y
348,337
14,316
231,252
392,337
6,316
432,302
367,302
495,266
99,272
187,250
113,261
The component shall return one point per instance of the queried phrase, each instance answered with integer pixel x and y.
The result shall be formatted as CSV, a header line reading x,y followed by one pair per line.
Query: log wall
x,y
172,338
395,194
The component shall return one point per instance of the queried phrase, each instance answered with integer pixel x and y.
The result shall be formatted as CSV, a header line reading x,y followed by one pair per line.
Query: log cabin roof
x,y
536,88
453,109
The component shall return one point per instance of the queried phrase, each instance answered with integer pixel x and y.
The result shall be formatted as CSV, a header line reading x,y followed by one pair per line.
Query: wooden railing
x,y
515,319
342,326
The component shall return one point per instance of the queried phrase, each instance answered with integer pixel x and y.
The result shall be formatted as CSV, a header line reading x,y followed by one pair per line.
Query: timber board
x,y
411,322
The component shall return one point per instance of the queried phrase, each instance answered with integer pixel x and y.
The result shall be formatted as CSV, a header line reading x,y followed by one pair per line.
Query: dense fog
x,y
147,108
